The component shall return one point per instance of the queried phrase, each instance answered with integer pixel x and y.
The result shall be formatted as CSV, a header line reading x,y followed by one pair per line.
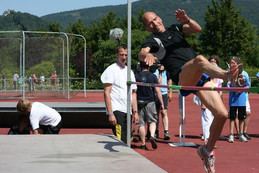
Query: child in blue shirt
x,y
237,102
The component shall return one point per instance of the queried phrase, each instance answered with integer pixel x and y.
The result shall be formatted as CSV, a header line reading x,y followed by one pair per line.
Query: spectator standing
x,y
146,104
53,79
163,79
34,81
15,80
114,79
237,102
29,81
42,81
3,81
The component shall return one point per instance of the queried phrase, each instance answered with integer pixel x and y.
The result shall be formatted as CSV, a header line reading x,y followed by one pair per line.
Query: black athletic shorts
x,y
120,132
237,110
51,129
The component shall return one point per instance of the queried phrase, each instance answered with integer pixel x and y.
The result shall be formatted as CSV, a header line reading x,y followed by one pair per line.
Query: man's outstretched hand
x,y
181,16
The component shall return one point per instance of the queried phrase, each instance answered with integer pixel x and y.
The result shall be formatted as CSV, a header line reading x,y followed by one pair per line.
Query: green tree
x,y
104,56
44,68
100,30
77,48
97,33
54,27
227,33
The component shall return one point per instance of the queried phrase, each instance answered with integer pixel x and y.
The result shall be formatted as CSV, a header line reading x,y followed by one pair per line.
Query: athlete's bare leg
x,y
193,69
213,101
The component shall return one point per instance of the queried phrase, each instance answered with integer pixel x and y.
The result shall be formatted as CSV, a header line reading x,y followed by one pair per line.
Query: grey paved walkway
x,y
70,154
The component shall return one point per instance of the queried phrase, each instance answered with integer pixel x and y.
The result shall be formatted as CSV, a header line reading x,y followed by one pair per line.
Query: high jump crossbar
x,y
198,88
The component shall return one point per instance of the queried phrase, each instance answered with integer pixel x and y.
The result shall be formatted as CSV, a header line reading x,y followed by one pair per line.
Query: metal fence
x,y
37,64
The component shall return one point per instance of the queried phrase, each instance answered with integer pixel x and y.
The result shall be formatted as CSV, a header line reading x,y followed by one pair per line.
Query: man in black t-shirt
x,y
146,104
188,69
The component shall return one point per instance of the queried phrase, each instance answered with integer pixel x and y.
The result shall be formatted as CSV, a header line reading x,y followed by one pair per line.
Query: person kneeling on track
x,y
37,116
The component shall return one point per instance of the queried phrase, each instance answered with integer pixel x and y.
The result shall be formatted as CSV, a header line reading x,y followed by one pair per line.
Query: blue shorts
x,y
204,78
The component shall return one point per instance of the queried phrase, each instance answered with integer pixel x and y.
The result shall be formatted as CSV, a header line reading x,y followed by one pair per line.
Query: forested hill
x,y
165,8
12,20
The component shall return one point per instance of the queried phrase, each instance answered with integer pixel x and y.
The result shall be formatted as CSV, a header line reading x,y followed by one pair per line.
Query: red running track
x,y
230,158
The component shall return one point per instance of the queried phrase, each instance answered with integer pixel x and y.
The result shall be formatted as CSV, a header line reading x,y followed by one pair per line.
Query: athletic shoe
x,y
247,136
166,136
148,135
135,138
242,138
157,134
231,139
207,158
153,142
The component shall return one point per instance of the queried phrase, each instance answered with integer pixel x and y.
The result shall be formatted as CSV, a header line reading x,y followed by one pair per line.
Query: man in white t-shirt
x,y
114,79
42,119
15,80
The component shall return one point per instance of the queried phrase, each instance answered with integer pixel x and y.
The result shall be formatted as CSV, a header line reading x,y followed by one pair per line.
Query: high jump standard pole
x,y
181,142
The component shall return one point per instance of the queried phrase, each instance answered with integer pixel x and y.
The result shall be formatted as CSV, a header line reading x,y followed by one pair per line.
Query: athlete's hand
x,y
150,59
240,81
112,119
181,16
135,117
233,72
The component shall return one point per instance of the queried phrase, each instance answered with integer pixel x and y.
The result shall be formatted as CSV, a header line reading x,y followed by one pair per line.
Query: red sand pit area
x,y
230,158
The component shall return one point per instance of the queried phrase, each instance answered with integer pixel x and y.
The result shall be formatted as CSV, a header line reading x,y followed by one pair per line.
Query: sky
x,y
44,7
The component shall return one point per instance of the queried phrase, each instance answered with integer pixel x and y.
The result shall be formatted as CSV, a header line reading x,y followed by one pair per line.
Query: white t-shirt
x,y
15,77
43,115
42,78
117,76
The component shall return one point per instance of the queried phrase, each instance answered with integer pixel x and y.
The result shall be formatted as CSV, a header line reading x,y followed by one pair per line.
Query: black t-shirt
x,y
145,93
178,51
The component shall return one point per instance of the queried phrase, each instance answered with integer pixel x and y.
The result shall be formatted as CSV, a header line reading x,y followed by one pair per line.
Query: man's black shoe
x,y
247,136
153,142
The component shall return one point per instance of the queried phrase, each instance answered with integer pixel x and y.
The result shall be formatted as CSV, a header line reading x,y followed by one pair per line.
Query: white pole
x,y
63,67
181,117
81,36
181,142
21,76
84,67
129,76
23,64
68,77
